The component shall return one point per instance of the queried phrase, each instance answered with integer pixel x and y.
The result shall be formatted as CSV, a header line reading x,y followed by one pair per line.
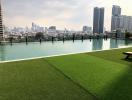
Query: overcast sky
x,y
72,14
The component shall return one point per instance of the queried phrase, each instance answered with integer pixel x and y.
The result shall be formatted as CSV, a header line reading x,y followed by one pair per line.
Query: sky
x,y
70,14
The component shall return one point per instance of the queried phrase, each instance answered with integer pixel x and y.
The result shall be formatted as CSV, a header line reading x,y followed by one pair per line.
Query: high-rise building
x,y
1,25
98,20
101,21
120,22
125,23
130,24
115,22
116,10
115,19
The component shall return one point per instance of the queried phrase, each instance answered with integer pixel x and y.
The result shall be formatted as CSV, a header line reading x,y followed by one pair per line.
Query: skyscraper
x,y
125,23
101,21
1,27
98,20
115,20
116,10
120,22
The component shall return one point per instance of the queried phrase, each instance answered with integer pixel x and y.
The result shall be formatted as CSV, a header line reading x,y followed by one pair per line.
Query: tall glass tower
x,y
1,25
115,19
98,20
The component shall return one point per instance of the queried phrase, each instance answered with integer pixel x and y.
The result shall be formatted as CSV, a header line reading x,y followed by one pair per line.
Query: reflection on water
x,y
23,50
2,53
114,43
127,42
97,44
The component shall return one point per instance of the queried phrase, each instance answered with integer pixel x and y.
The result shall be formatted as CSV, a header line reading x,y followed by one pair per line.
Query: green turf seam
x,y
71,80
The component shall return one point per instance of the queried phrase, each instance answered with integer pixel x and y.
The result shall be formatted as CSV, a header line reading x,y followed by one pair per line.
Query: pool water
x,y
35,49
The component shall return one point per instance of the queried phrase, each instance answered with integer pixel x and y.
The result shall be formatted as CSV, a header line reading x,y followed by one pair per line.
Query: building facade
x,y
115,20
120,22
87,29
98,20
115,23
1,25
101,21
116,10
125,23
52,31
37,28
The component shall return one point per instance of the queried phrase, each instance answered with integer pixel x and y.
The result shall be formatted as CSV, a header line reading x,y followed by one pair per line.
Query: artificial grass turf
x,y
114,55
105,74
69,77
37,80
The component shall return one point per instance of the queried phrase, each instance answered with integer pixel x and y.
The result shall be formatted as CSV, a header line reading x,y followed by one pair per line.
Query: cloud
x,y
37,8
55,10
62,13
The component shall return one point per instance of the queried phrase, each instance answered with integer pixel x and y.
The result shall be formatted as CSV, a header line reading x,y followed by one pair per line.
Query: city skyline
x,y
72,14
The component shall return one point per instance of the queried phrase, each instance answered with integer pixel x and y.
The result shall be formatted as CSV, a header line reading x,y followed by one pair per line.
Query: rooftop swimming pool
x,y
35,49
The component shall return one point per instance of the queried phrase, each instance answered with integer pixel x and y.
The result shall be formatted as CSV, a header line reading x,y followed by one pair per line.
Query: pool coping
x,y
33,58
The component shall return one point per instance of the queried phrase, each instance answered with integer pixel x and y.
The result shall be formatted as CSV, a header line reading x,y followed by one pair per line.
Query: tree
x,y
39,35
127,34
